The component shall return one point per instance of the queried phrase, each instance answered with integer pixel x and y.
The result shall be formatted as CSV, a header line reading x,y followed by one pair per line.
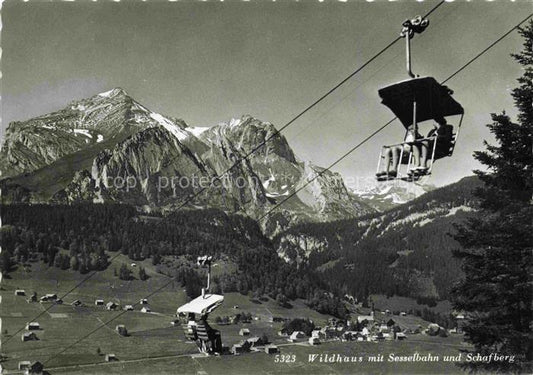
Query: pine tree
x,y
142,274
497,245
124,272
5,262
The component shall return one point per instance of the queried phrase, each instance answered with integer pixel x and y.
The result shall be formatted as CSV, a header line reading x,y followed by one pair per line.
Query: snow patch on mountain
x,y
107,94
234,122
463,208
386,195
84,132
170,126
197,130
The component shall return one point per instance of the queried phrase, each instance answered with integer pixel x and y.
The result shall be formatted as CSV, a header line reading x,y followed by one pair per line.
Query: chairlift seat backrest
x,y
189,332
445,152
201,331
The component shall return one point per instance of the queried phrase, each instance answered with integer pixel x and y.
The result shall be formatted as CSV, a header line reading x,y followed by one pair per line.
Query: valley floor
x,y
154,346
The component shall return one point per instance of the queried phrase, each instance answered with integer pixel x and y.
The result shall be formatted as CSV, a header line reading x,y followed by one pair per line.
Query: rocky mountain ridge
x,y
386,195
111,148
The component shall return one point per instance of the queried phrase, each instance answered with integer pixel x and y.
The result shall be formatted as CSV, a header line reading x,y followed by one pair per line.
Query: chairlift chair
x,y
417,100
202,305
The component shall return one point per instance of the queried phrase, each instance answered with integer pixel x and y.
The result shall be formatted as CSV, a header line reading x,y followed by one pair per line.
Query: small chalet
x,y
256,341
244,332
271,349
24,365
318,334
29,336
33,326
296,335
368,318
237,349
110,358
121,330
111,306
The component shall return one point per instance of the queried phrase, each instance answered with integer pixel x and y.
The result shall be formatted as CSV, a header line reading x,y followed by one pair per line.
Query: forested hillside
x,y
83,238
406,251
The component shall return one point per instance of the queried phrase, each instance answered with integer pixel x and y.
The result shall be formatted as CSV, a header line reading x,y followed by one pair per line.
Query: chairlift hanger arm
x,y
410,27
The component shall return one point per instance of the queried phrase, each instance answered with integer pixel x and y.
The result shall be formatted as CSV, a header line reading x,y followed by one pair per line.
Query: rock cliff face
x,y
35,143
118,150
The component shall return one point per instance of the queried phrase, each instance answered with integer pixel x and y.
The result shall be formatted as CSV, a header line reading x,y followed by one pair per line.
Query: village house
x,y
237,349
460,320
48,298
400,336
318,334
368,318
350,335
33,326
256,341
99,302
244,332
271,349
76,303
283,334
145,309
296,335
29,336
241,347
128,308
143,301
110,357
314,341
33,298
383,328
24,365
329,332
121,330
111,306
20,292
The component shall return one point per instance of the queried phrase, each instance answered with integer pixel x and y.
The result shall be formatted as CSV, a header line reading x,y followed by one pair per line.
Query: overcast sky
x,y
209,62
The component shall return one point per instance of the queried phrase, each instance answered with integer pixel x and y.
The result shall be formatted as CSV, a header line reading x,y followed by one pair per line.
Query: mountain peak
x,y
386,195
117,91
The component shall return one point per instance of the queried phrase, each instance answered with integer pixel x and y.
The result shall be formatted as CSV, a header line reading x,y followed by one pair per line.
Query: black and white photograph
x,y
266,187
